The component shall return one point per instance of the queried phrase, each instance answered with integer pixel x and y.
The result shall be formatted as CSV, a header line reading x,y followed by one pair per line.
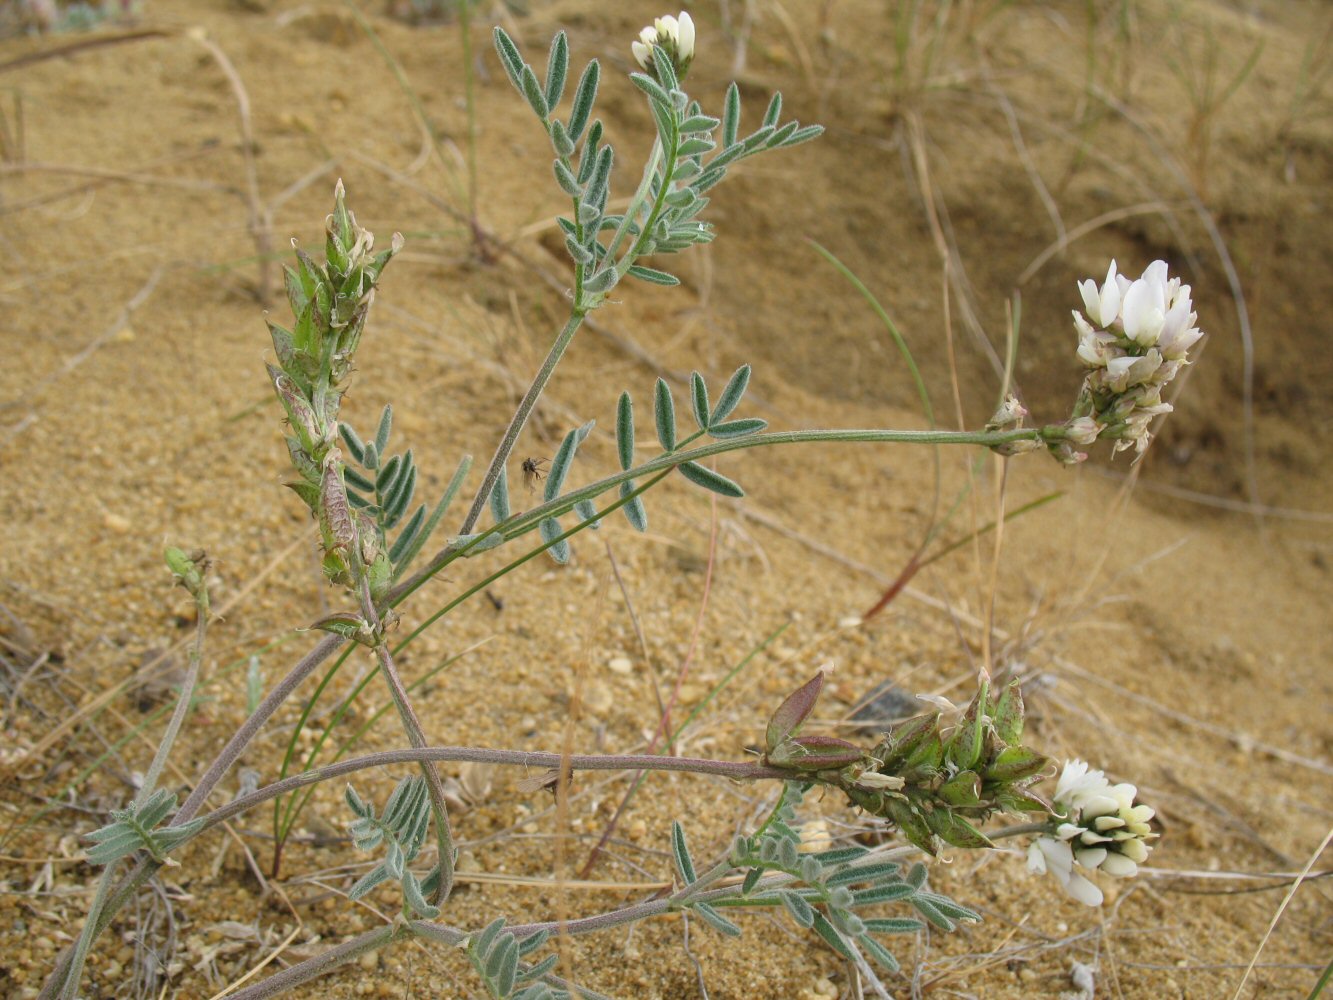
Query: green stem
x,y
636,203
520,419
715,874
183,704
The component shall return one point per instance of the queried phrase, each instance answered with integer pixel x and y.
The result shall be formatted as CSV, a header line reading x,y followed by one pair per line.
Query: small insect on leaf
x,y
533,472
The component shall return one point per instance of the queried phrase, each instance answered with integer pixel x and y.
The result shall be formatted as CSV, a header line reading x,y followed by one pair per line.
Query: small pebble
x,y
370,961
621,665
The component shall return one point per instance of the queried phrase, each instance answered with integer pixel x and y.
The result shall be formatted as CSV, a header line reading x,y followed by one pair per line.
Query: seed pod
x,y
334,508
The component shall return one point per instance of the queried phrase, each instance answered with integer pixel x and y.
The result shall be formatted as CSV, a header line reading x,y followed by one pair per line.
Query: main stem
x,y
416,736
520,419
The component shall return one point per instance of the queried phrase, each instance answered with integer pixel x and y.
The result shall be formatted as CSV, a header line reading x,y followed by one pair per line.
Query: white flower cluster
x,y
674,34
1134,337
1102,829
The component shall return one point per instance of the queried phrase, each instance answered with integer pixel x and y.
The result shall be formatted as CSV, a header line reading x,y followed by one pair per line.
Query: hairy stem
x,y
416,736
737,771
323,963
520,419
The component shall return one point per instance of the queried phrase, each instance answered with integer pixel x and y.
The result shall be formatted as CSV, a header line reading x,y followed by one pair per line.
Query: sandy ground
x,y
1171,620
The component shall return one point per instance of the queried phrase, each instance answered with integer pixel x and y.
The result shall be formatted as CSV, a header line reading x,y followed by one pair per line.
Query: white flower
x,y
1103,306
1101,828
1134,339
1046,855
674,34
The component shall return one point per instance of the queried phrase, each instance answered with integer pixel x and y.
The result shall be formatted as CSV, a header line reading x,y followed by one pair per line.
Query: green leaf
x,y
625,431
949,908
561,142
752,878
653,276
557,67
532,942
695,147
367,883
890,893
356,803
698,123
484,941
542,968
699,399
781,135
879,953
415,546
500,497
587,511
634,511
601,282
532,90
565,178
357,481
415,900
710,480
509,57
737,428
507,972
354,444
584,97
681,853
732,394
555,479
840,855
731,116
384,429
932,913
803,135
830,934
863,873
893,925
388,474
664,411
800,910
774,111
559,547
716,920
656,94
